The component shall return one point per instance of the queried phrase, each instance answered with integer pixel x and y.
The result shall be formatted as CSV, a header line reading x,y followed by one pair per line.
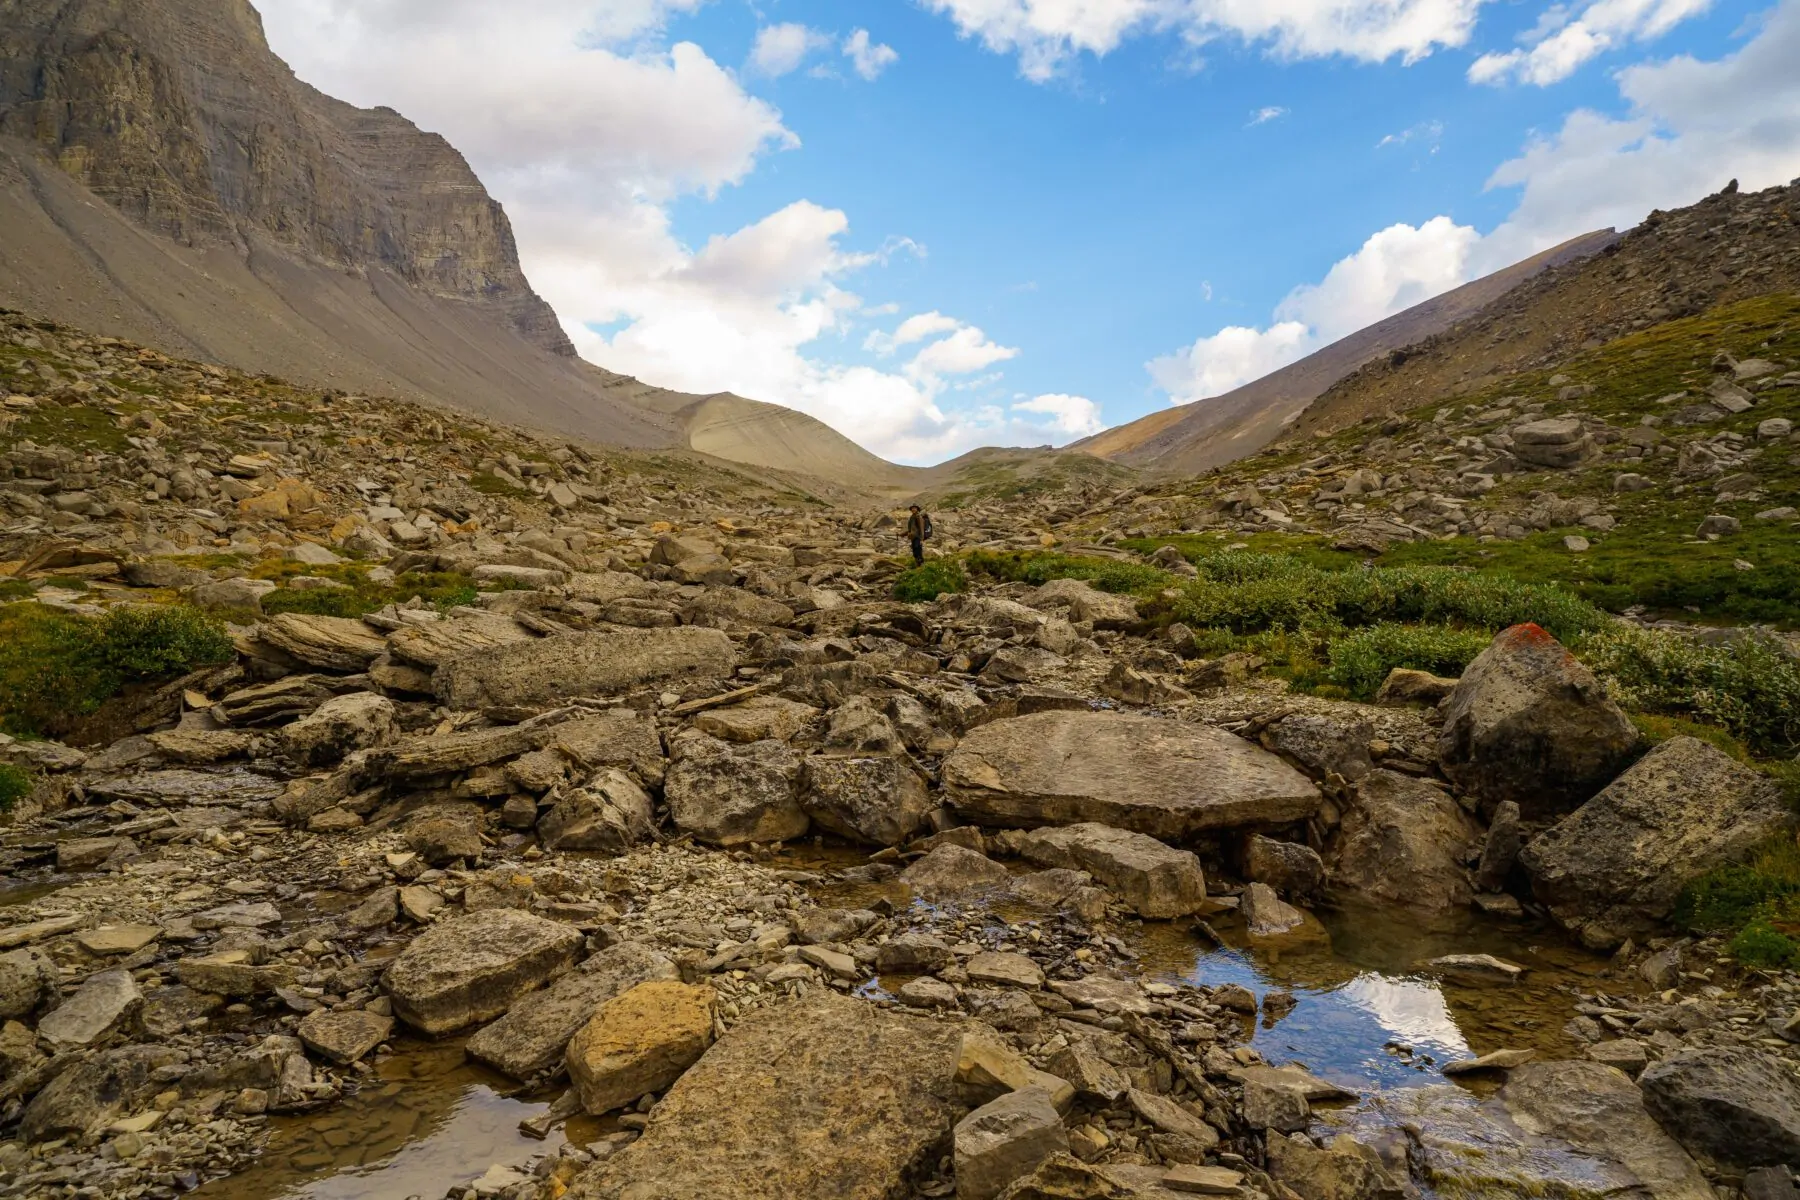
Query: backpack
x,y
926,532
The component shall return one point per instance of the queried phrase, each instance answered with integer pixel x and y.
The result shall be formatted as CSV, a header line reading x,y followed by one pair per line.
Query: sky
x,y
941,224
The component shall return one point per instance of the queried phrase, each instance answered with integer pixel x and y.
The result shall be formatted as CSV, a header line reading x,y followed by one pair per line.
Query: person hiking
x,y
918,528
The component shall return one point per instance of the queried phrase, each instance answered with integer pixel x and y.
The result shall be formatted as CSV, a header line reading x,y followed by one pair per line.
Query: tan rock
x,y
641,1041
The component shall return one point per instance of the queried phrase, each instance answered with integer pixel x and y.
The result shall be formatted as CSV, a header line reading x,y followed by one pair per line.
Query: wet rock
x,y
1528,723
1167,779
344,1036
1615,868
471,969
1500,853
640,1042
879,801
1493,1060
729,795
1347,1170
1287,867
530,1039
582,664
93,1090
1474,968
340,726
102,1004
1736,1106
1265,915
1624,1054
1004,1140
950,871
28,982
914,954
818,1099
1158,881
1599,1111
1322,746
610,812
1404,841
1275,1104
620,737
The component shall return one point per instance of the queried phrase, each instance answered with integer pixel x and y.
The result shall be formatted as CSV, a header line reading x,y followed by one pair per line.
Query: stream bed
x,y
1364,1017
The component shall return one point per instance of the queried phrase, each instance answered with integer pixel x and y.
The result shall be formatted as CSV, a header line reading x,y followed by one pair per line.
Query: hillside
x,y
1210,433
165,178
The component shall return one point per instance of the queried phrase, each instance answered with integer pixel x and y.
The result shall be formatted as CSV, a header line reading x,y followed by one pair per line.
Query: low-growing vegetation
x,y
1757,904
15,785
56,666
934,579
1106,574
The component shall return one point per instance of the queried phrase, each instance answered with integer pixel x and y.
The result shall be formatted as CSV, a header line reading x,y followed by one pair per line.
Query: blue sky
x,y
937,224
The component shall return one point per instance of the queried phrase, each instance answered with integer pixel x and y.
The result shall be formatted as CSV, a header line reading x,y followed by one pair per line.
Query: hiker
x,y
918,528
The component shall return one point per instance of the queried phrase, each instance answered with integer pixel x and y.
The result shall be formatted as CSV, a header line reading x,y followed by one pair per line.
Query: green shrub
x,y
360,596
15,785
1750,687
56,667
1760,944
1361,660
930,581
1040,567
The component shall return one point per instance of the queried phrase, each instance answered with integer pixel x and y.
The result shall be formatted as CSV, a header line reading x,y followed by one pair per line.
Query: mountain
x,y
165,178
1730,246
1209,433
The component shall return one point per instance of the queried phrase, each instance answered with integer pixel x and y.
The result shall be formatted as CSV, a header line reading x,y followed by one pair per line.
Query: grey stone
x,y
1158,881
583,664
529,1040
730,795
880,801
1005,1140
344,1036
101,1005
28,981
1404,841
473,968
950,872
609,812
1285,866
341,725
1322,746
1598,1110
1735,1106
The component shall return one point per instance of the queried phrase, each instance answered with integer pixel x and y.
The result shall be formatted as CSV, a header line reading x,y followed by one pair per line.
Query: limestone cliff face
x,y
178,114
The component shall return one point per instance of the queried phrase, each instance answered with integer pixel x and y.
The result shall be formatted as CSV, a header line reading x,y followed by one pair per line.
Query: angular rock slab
x,y
1158,881
1599,1111
1615,868
1736,1105
1168,779
473,968
640,1042
529,1040
823,1098
1404,841
582,664
1004,1140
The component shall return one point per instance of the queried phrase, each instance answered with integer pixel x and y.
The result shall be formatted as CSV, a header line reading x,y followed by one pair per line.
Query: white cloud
x,y
1263,116
1395,269
962,353
869,58
1558,46
913,329
1046,34
1426,131
1069,416
781,49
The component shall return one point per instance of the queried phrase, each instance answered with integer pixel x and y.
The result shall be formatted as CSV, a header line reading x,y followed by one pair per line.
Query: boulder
x,y
729,795
530,1039
1322,746
880,801
1406,686
431,642
340,644
1288,867
1615,867
1168,779
1005,1140
825,1098
640,1041
94,1090
471,969
1528,723
951,872
1735,1106
28,981
610,812
341,725
1266,915
1347,1170
1158,881
1598,1110
553,669
619,737
993,968
344,1035
914,954
734,608
1405,842
764,718
445,833
452,753
1555,442
100,1006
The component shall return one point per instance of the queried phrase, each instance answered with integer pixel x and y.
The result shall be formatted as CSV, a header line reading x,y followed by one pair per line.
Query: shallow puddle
x,y
426,1122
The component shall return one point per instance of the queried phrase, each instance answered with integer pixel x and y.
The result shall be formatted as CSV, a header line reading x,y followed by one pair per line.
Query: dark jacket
x,y
915,527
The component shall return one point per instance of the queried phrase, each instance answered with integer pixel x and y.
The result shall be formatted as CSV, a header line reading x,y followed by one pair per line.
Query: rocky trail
x,y
446,812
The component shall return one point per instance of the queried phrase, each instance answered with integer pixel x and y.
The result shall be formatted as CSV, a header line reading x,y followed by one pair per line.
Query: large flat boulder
x,y
1737,1106
1598,1110
1528,723
582,664
640,1042
471,969
529,1040
1158,881
823,1098
1615,867
341,644
1168,779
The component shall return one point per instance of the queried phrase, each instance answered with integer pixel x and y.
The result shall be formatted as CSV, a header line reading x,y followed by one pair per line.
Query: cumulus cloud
x,y
914,329
781,49
1263,116
1395,269
1046,34
1558,47
868,57
1065,416
964,352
